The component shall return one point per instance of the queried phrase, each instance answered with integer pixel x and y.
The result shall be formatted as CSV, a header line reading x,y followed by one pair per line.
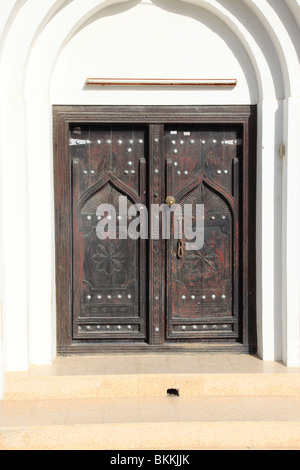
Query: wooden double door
x,y
126,278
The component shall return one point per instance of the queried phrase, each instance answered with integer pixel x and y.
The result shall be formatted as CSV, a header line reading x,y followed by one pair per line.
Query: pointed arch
x,y
108,179
211,185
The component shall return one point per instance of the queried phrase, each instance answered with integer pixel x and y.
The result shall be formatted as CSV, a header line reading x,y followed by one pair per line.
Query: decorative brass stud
x,y
170,201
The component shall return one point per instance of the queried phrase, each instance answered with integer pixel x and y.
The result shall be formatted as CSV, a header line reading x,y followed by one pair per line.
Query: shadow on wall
x,y
251,23
196,13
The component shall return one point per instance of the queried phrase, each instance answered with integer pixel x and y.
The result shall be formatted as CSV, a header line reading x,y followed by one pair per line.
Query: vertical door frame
x,y
155,117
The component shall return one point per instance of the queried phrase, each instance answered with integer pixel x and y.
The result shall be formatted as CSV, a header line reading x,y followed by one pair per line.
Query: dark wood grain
x,y
220,174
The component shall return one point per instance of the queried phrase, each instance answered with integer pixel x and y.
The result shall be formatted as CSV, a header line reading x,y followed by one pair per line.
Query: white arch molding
x,y
29,56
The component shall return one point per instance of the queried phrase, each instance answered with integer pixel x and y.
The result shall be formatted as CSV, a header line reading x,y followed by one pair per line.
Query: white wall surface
x,y
148,41
47,50
1,348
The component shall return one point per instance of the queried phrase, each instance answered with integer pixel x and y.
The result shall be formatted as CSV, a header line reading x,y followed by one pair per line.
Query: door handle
x,y
170,201
180,249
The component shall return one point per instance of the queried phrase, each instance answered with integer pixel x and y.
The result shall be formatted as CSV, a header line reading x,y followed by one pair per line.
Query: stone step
x,y
129,403
151,423
215,385
153,376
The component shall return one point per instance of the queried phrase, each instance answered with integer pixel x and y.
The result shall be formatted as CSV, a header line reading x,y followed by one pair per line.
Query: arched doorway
x,y
265,35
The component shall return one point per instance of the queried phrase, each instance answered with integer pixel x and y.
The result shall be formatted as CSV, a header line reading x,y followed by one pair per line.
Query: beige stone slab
x,y
155,436
134,410
155,364
62,387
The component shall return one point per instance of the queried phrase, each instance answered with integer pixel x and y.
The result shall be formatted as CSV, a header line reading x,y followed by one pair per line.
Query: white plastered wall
x,y
49,48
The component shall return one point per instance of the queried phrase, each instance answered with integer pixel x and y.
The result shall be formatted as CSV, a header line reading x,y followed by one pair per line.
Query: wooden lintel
x,y
160,82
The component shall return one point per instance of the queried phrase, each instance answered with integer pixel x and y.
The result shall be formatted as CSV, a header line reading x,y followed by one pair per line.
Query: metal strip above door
x,y
157,82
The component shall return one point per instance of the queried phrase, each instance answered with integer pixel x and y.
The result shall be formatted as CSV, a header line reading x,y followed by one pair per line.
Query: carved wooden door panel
x,y
117,293
109,276
109,280
202,282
